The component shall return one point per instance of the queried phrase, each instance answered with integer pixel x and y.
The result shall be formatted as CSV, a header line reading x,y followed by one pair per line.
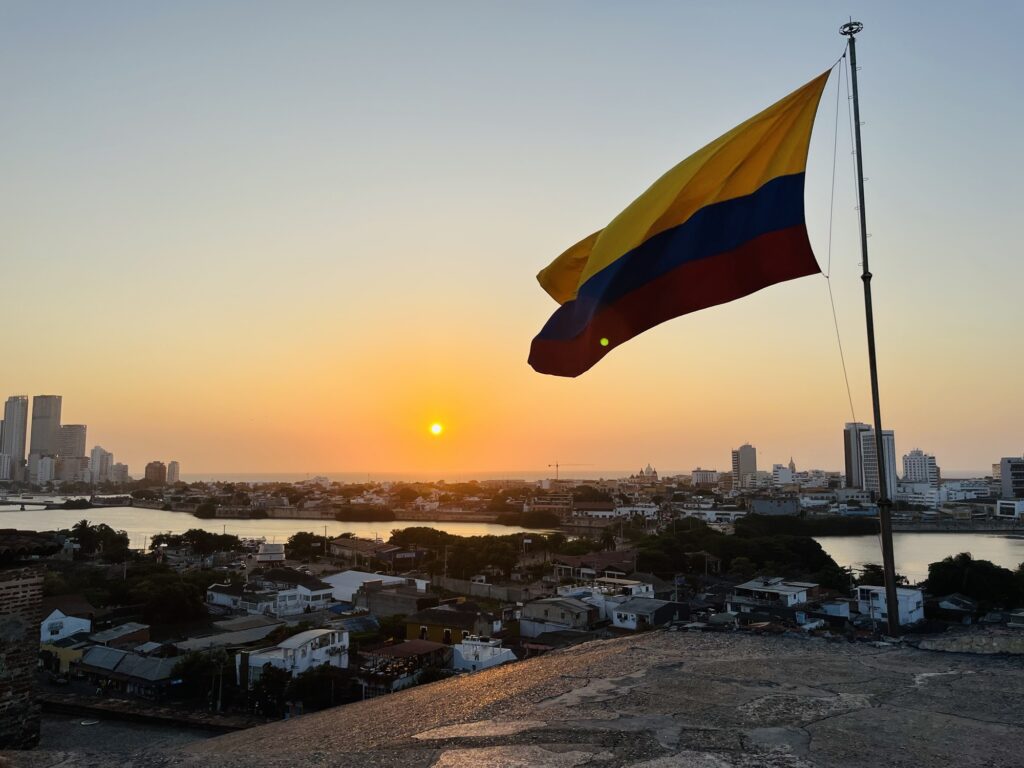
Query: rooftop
x,y
299,640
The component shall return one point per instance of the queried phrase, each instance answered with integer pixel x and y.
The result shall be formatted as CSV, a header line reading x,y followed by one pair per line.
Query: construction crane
x,y
556,465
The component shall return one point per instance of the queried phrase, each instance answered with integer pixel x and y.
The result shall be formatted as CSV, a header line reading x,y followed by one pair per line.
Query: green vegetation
x,y
538,519
206,511
199,541
991,585
466,555
99,539
305,545
764,525
364,514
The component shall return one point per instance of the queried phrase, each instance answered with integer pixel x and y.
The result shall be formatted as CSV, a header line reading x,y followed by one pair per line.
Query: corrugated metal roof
x,y
101,657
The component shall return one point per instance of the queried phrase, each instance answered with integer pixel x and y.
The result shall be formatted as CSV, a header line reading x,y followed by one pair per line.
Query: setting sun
x,y
436,429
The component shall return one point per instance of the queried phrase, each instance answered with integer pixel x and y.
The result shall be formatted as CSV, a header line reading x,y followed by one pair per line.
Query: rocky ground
x,y
658,700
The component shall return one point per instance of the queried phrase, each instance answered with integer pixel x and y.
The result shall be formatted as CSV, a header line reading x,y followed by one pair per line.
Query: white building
x,y
101,463
1010,508
871,602
347,583
920,467
270,554
782,475
173,472
475,652
1011,478
646,510
12,442
869,461
45,469
299,653
119,473
768,592
704,476
59,625
922,494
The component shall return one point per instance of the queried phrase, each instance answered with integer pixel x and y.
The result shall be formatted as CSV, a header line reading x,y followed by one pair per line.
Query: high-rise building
x,y
46,469
869,462
119,473
73,469
45,425
1011,478
782,475
72,440
744,465
156,472
851,452
6,467
15,428
920,467
173,472
101,463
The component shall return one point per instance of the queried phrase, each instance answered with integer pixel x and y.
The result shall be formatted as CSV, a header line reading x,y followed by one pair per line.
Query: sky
x,y
266,237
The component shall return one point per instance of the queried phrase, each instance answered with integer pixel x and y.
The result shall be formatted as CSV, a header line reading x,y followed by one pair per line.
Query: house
x,y
587,567
225,595
270,553
953,607
347,583
297,654
58,655
363,550
126,635
393,599
871,602
639,613
59,625
232,633
114,669
767,593
394,667
475,653
451,623
276,592
554,614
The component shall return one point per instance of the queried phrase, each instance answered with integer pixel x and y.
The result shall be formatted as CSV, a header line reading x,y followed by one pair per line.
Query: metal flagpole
x,y
850,30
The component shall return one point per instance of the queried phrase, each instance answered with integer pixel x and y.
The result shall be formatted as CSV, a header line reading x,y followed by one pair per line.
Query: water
x,y
141,524
914,551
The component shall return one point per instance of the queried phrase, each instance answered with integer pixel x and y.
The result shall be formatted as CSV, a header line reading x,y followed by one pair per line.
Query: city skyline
x,y
346,245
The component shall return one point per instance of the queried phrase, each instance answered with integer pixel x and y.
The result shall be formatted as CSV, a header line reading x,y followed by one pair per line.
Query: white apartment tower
x,y
920,467
101,464
173,472
744,465
869,462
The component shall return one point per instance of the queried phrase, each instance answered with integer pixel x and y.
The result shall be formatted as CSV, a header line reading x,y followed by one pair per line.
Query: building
x,y
774,506
869,462
298,654
556,614
920,467
782,475
12,441
357,551
42,469
475,653
704,477
71,440
173,473
21,591
156,472
1009,509
269,554
127,635
393,599
451,623
852,453
129,673
101,464
769,593
394,667
640,613
45,425
1011,478
347,583
871,602
119,473
744,465
72,469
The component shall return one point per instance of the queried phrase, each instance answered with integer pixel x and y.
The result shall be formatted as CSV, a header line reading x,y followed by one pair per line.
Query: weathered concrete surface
x,y
660,700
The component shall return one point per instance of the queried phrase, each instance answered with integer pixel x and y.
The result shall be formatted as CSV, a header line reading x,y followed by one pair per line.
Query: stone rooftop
x,y
656,700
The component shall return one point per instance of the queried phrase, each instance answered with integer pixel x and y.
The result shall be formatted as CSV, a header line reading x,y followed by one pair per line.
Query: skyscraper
x,y
173,472
45,425
1011,478
156,472
852,452
13,442
72,440
744,464
869,461
101,464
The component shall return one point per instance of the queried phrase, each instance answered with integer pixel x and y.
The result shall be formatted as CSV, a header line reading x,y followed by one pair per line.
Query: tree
x,y
986,582
608,537
874,575
305,545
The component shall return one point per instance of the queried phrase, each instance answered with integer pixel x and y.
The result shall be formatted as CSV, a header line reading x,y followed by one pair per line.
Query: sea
x,y
914,551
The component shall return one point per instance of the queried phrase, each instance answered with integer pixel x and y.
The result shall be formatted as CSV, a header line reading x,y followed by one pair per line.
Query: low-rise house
x,y
475,653
363,550
554,614
127,635
59,625
277,592
394,599
297,654
615,564
394,667
269,554
113,669
767,593
871,602
451,623
232,633
953,607
347,583
59,655
640,613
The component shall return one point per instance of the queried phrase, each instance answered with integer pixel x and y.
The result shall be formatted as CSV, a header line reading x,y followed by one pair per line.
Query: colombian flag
x,y
725,222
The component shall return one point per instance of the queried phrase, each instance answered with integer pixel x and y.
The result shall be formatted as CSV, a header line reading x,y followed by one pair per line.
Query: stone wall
x,y
21,592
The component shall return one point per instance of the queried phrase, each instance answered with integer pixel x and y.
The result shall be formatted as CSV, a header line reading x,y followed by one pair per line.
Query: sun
x,y
436,428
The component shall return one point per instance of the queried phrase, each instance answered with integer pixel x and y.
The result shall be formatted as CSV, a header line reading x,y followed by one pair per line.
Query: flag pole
x,y
850,31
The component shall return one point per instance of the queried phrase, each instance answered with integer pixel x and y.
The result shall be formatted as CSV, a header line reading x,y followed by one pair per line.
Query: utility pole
x,y
892,606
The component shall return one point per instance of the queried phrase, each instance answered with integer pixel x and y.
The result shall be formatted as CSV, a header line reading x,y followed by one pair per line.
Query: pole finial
x,y
851,28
